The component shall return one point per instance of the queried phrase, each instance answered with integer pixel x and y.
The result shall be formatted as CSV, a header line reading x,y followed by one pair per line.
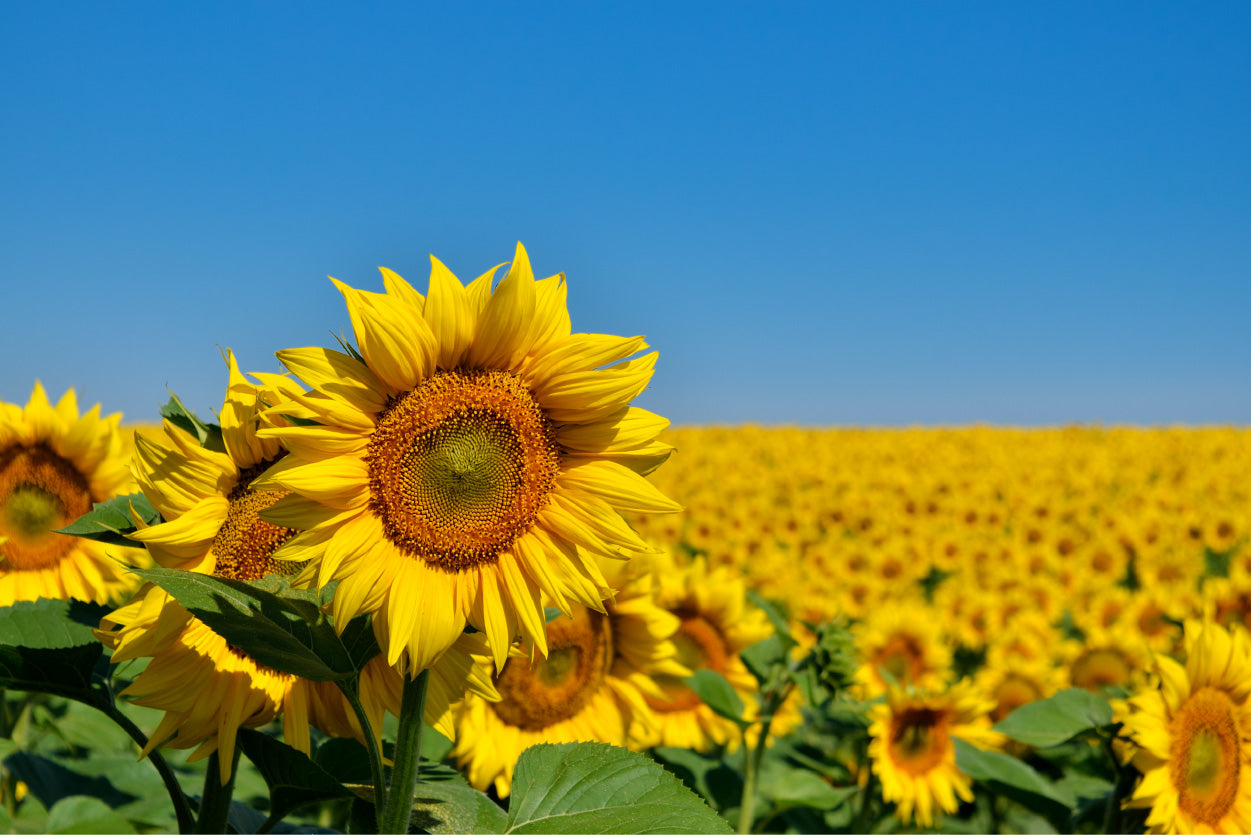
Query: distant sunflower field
x,y
443,576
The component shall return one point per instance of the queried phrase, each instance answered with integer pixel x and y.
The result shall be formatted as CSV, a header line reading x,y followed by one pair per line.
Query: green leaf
x,y
717,692
52,782
454,806
208,434
110,521
50,624
293,779
797,787
1051,721
780,624
597,788
1012,778
85,814
762,657
68,672
707,775
287,632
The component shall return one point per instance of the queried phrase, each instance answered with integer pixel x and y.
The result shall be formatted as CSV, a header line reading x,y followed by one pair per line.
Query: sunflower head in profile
x,y
469,456
1193,736
912,752
54,464
594,685
210,525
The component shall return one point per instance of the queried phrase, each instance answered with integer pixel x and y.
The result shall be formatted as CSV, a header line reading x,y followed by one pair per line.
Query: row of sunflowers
x,y
458,522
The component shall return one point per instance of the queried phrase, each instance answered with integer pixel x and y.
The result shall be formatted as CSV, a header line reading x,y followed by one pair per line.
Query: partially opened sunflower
x,y
54,464
471,456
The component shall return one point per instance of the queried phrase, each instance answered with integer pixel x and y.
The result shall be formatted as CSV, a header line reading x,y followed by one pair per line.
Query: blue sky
x,y
828,213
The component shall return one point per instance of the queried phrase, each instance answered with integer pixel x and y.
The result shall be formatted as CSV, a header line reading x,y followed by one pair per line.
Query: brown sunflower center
x,y
1012,692
700,645
1101,667
903,657
460,466
538,694
1204,759
39,492
919,739
245,543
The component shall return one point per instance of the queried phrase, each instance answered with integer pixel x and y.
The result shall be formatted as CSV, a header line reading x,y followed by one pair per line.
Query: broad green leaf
x,y
50,624
86,815
31,818
288,632
434,745
293,779
1012,778
52,782
1052,721
68,672
789,787
717,692
454,806
763,657
110,521
208,434
780,624
597,788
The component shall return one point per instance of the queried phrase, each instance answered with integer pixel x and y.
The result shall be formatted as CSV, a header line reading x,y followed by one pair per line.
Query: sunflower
x,y
1116,657
207,688
54,464
912,752
595,684
904,643
468,457
1193,733
715,625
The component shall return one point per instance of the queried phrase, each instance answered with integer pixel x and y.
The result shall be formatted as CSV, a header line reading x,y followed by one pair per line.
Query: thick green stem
x,y
399,808
186,822
753,755
1126,776
215,802
350,691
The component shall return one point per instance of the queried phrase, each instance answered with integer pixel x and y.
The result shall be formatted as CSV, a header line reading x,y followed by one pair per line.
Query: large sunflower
x,y
594,685
473,455
1194,736
53,465
912,751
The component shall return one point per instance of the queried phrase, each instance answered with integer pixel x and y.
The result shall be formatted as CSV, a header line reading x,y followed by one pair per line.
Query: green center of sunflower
x,y
460,466
244,546
39,492
538,695
1205,764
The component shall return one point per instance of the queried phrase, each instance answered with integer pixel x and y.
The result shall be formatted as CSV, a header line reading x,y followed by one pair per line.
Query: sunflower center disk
x,y
700,646
460,467
1099,668
39,492
245,543
918,740
539,695
1206,763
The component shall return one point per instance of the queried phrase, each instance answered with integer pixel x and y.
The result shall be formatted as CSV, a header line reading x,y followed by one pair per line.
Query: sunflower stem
x,y
351,691
1126,776
404,774
182,809
215,802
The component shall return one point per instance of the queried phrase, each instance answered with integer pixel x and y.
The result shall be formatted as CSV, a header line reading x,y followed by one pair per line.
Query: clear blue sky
x,y
828,213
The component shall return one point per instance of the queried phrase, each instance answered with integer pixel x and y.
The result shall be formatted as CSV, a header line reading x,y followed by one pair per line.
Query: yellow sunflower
x,y
207,688
912,752
594,685
54,465
474,458
715,625
1193,734
895,639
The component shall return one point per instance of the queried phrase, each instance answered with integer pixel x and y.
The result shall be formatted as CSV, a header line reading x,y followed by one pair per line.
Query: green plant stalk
x,y
351,692
215,802
182,809
399,808
751,769
1126,776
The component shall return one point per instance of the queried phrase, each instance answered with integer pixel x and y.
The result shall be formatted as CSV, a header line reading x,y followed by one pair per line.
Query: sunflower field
x,y
443,577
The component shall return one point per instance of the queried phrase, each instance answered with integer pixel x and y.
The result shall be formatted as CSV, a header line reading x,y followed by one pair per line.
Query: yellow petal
x,y
448,311
336,374
501,338
397,346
